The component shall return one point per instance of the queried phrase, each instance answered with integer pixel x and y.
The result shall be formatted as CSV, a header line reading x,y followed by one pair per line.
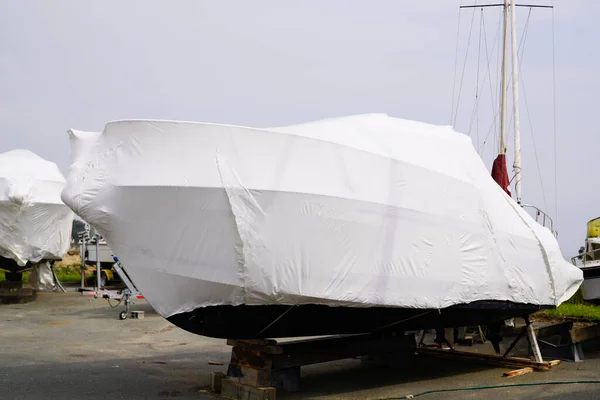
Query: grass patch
x,y
67,275
583,312
64,274
3,277
577,298
576,308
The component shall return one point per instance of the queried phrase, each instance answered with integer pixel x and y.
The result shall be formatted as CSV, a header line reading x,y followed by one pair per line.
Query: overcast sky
x,y
78,64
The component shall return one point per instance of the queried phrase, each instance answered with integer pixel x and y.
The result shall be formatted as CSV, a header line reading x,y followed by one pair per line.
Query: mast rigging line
x,y
464,69
509,80
554,134
476,107
455,67
479,90
488,56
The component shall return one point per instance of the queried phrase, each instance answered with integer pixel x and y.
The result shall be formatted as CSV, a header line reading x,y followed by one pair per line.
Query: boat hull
x,y
590,288
251,322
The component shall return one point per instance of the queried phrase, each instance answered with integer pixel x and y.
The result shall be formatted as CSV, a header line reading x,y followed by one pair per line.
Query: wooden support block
x,y
250,358
554,363
265,363
518,372
582,334
137,314
216,381
238,391
249,376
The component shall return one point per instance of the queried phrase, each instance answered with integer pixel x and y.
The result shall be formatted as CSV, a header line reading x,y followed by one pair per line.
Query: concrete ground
x,y
70,346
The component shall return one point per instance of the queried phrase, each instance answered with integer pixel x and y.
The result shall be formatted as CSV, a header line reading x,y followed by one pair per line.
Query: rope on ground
x,y
474,388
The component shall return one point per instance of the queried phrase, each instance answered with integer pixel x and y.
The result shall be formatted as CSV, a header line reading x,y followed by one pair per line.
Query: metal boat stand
x,y
565,338
500,360
259,367
531,338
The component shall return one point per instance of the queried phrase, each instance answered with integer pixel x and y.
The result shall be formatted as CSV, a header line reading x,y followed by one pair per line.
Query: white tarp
x,y
41,278
359,211
34,222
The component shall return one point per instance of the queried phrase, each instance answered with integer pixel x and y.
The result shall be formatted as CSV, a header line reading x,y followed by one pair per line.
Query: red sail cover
x,y
500,173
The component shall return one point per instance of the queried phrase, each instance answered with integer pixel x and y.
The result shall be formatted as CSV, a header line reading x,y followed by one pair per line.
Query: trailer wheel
x,y
123,315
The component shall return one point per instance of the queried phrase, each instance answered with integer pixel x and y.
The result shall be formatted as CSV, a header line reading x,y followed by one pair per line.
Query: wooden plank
x,y
487,358
242,342
269,347
238,391
579,335
337,348
518,372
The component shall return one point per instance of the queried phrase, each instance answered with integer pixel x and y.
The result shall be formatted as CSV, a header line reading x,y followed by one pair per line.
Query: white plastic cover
x,y
359,211
41,278
34,222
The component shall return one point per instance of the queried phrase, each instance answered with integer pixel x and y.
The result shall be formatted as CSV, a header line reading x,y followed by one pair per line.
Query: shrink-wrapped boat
x,y
35,225
344,225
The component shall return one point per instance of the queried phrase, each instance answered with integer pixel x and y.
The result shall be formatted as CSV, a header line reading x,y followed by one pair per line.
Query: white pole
x,y
515,88
98,267
503,83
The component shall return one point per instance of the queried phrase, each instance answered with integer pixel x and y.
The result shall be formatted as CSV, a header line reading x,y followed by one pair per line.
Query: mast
x,y
515,89
499,172
503,82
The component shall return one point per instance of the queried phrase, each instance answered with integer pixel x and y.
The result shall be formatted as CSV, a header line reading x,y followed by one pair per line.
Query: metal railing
x,y
584,261
542,218
591,256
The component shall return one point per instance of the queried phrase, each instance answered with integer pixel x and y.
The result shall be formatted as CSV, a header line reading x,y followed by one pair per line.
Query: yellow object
x,y
109,274
593,228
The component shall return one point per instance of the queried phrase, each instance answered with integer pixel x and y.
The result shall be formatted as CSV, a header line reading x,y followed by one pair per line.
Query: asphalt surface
x,y
70,346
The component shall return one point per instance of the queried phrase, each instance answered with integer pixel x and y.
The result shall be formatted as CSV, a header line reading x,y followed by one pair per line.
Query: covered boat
x,y
589,262
35,225
346,225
